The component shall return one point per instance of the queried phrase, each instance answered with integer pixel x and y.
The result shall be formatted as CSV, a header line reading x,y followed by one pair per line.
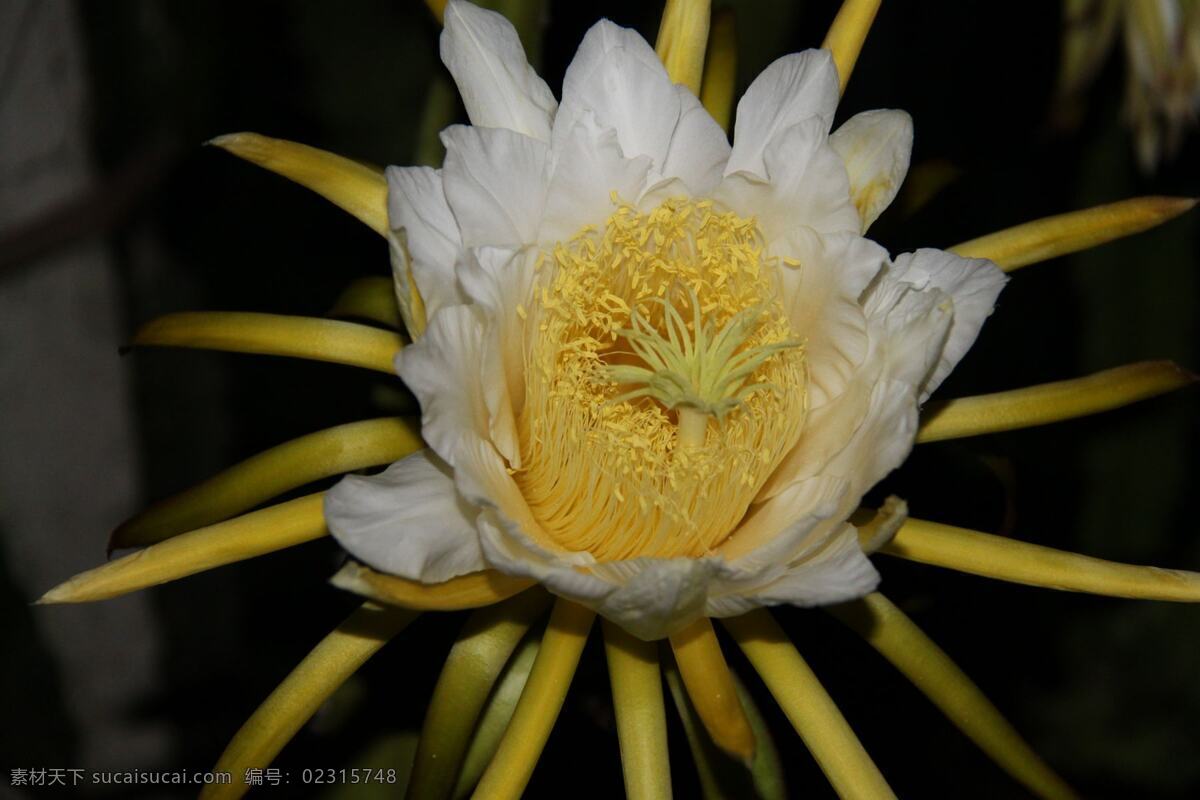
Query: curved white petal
x,y
495,182
589,168
837,573
792,89
821,279
805,185
775,532
972,284
654,598
498,87
618,77
699,148
408,520
424,240
500,282
455,374
876,147
882,441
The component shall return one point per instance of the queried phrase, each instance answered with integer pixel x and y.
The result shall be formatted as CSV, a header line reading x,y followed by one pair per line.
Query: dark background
x,y
1105,689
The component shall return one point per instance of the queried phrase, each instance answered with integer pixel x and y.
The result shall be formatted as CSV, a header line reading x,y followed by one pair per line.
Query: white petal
x,y
876,147
500,281
654,598
972,283
839,572
820,297
495,183
445,370
774,531
424,239
408,520
499,89
827,431
882,441
699,148
794,88
617,76
806,186
588,168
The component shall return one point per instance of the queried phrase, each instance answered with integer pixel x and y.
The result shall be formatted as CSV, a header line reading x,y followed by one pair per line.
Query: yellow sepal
x,y
808,706
637,693
710,688
255,534
1007,559
344,448
682,39
372,299
276,335
1050,402
483,648
720,68
847,34
898,639
566,634
353,187
284,712
474,590
1059,235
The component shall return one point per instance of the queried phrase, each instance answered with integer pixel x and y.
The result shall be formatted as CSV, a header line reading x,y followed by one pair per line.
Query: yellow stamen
x,y
265,531
682,38
641,716
484,646
353,187
562,644
639,324
1020,562
847,34
323,454
720,68
473,590
372,299
1050,402
710,687
808,706
1059,235
900,641
276,335
284,712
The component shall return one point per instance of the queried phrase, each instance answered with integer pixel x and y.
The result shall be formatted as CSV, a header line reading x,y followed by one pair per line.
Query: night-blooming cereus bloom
x,y
657,373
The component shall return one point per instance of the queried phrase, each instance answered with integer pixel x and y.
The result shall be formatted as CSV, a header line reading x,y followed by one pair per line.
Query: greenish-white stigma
x,y
697,367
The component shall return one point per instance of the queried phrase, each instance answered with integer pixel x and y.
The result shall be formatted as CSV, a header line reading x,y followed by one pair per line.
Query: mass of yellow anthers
x,y
664,384
614,359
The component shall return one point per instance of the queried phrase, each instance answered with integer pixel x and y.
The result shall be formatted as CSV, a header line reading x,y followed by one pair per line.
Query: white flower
x,y
657,373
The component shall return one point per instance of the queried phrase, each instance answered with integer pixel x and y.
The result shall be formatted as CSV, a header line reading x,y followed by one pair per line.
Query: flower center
x,y
664,382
